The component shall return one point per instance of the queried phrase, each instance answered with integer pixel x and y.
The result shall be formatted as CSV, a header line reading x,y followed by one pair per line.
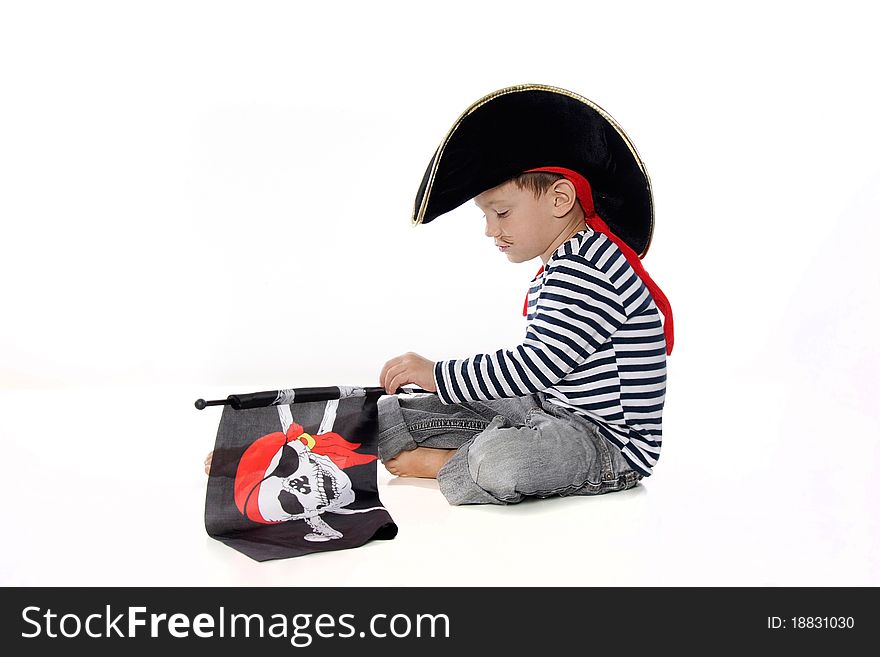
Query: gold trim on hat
x,y
418,216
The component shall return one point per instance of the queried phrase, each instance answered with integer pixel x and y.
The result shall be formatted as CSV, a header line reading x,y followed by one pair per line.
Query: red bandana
x,y
595,222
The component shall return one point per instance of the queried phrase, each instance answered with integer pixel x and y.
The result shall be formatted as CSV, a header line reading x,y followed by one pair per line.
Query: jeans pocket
x,y
537,416
532,416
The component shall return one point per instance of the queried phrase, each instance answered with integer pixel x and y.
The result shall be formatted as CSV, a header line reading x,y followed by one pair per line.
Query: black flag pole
x,y
298,395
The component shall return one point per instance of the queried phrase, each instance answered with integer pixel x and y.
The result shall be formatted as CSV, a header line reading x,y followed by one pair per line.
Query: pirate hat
x,y
533,125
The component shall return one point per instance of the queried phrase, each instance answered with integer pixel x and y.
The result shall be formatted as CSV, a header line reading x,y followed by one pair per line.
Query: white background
x,y
205,198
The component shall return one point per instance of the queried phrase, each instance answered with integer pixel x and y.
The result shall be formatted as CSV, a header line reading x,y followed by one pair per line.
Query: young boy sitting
x,y
575,409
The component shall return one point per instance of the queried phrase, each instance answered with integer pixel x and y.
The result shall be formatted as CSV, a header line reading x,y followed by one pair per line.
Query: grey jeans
x,y
507,449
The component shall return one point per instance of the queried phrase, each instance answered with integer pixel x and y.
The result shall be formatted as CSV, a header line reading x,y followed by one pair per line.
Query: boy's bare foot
x,y
208,462
419,462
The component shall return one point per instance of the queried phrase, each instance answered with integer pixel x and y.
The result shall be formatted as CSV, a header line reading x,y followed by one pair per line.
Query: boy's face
x,y
530,227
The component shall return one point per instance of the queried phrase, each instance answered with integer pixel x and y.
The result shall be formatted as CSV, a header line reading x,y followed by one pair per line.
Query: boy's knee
x,y
498,465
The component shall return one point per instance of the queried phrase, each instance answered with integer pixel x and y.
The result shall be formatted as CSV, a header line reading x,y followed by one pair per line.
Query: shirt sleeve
x,y
578,309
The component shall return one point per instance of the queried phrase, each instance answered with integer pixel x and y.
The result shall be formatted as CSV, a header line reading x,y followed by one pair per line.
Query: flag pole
x,y
298,395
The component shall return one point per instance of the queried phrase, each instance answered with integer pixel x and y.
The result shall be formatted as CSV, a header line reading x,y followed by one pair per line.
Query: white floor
x,y
106,487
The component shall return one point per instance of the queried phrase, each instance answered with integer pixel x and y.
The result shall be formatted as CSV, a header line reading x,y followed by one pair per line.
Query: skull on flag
x,y
296,476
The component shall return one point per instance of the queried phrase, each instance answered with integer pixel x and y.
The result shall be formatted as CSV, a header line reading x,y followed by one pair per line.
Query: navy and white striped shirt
x,y
594,344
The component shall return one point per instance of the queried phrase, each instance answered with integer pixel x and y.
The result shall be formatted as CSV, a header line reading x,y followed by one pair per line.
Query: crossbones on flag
x,y
296,478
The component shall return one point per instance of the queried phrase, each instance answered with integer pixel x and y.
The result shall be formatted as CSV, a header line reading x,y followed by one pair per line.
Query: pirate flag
x,y
289,479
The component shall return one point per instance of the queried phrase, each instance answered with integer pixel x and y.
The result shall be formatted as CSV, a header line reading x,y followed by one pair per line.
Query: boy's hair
x,y
537,181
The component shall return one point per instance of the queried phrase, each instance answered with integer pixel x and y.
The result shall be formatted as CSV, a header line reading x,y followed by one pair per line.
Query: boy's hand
x,y
408,368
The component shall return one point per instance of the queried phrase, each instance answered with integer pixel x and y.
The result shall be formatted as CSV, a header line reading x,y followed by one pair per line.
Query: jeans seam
x,y
599,486
561,489
396,430
449,423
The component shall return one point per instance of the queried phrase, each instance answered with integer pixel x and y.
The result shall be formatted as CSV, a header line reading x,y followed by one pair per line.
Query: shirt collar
x,y
576,239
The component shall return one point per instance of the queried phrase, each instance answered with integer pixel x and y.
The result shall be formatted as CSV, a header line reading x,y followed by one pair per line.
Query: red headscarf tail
x,y
333,446
595,222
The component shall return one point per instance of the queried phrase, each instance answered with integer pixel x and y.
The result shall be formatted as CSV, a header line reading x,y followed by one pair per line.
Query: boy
x,y
576,409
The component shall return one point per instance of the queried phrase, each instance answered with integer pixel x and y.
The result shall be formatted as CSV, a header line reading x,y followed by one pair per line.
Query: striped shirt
x,y
594,344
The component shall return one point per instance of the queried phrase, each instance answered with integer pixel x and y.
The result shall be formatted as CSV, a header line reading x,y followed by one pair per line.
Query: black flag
x,y
292,479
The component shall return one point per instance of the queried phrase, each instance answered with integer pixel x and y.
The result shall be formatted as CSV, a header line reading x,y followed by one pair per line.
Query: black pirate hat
x,y
535,127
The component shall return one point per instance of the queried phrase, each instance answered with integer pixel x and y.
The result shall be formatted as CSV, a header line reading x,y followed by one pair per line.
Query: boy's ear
x,y
564,196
